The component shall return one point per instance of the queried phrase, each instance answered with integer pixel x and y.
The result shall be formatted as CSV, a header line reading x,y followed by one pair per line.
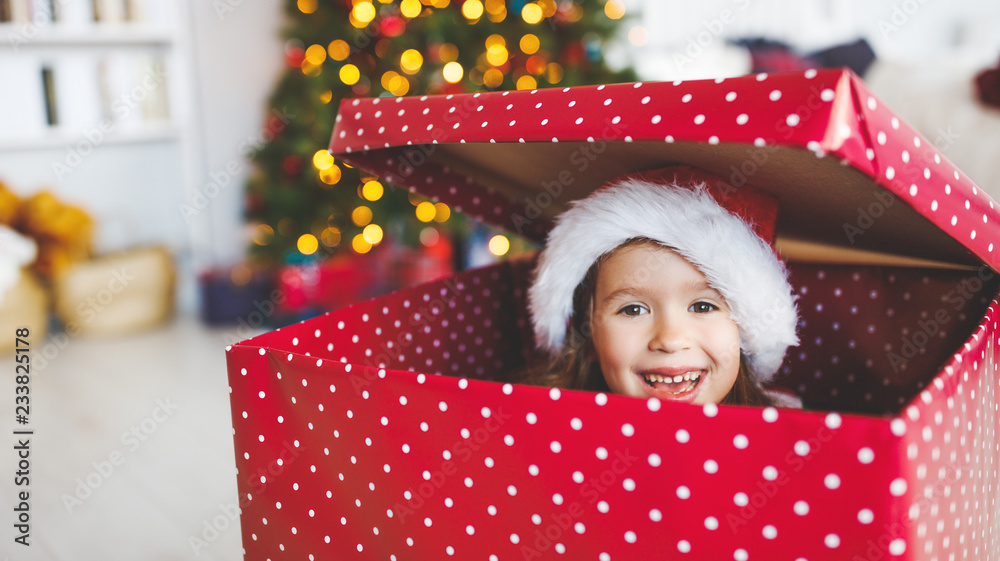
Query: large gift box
x,y
391,430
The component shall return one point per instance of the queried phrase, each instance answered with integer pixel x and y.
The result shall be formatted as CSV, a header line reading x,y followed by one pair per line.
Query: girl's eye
x,y
703,307
632,310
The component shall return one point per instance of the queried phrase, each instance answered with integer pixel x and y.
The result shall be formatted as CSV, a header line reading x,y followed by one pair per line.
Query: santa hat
x,y
724,231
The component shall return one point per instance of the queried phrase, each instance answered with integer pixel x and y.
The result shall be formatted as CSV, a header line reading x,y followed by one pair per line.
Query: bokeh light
x,y
364,11
531,13
338,50
330,175
425,211
411,60
410,8
361,216
526,82
472,9
429,236
499,245
448,52
263,234
316,54
330,237
554,73
307,244
529,44
349,74
452,72
496,55
372,190
638,35
322,159
441,212
372,234
307,6
492,78
614,9
360,244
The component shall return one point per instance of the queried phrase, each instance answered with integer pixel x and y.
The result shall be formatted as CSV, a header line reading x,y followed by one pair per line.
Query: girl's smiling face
x,y
660,330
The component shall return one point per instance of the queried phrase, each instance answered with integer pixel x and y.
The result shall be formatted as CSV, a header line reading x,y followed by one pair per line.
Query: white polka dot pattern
x,y
828,112
389,430
394,462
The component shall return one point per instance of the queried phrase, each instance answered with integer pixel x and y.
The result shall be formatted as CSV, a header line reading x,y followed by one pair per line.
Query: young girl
x,y
665,284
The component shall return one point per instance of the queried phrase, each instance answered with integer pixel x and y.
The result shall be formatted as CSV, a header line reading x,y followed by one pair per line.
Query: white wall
x,y
898,30
238,57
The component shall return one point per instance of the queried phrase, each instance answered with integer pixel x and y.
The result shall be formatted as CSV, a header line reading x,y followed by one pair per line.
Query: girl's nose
x,y
670,334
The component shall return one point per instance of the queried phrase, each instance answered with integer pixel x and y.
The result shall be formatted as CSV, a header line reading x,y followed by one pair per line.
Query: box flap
x,y
847,171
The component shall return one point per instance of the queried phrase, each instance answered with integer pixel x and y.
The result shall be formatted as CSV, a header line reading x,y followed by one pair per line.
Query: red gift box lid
x,y
847,172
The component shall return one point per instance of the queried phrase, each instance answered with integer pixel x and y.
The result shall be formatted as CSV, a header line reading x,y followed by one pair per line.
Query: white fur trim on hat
x,y
734,260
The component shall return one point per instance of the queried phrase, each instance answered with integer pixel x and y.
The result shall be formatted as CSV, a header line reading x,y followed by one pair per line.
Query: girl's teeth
x,y
675,379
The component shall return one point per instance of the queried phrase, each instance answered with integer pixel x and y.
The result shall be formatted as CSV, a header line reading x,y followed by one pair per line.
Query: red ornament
x,y
295,56
393,26
291,165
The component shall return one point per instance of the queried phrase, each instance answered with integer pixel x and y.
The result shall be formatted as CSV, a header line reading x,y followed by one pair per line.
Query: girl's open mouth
x,y
678,385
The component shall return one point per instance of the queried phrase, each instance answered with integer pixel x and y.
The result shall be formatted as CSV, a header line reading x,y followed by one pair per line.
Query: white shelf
x,y
96,35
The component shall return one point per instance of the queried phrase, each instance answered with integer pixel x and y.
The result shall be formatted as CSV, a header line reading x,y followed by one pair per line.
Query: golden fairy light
x,y
554,73
492,78
360,244
499,245
307,6
411,60
452,72
410,8
472,9
441,212
361,216
372,190
316,54
338,50
614,9
364,11
307,244
395,83
548,7
322,159
529,43
496,55
496,10
531,13
425,211
326,96
372,234
526,82
349,74
330,175
330,237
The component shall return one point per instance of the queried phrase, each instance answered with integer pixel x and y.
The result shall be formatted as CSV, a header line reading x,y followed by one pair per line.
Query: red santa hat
x,y
724,231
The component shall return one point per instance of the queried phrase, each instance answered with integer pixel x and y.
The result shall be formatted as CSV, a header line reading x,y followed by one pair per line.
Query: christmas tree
x,y
300,201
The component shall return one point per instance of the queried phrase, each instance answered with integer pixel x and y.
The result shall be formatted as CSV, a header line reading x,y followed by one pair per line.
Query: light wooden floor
x,y
155,403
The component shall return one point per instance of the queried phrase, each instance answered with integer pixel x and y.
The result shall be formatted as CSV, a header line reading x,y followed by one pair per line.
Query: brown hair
x,y
576,366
